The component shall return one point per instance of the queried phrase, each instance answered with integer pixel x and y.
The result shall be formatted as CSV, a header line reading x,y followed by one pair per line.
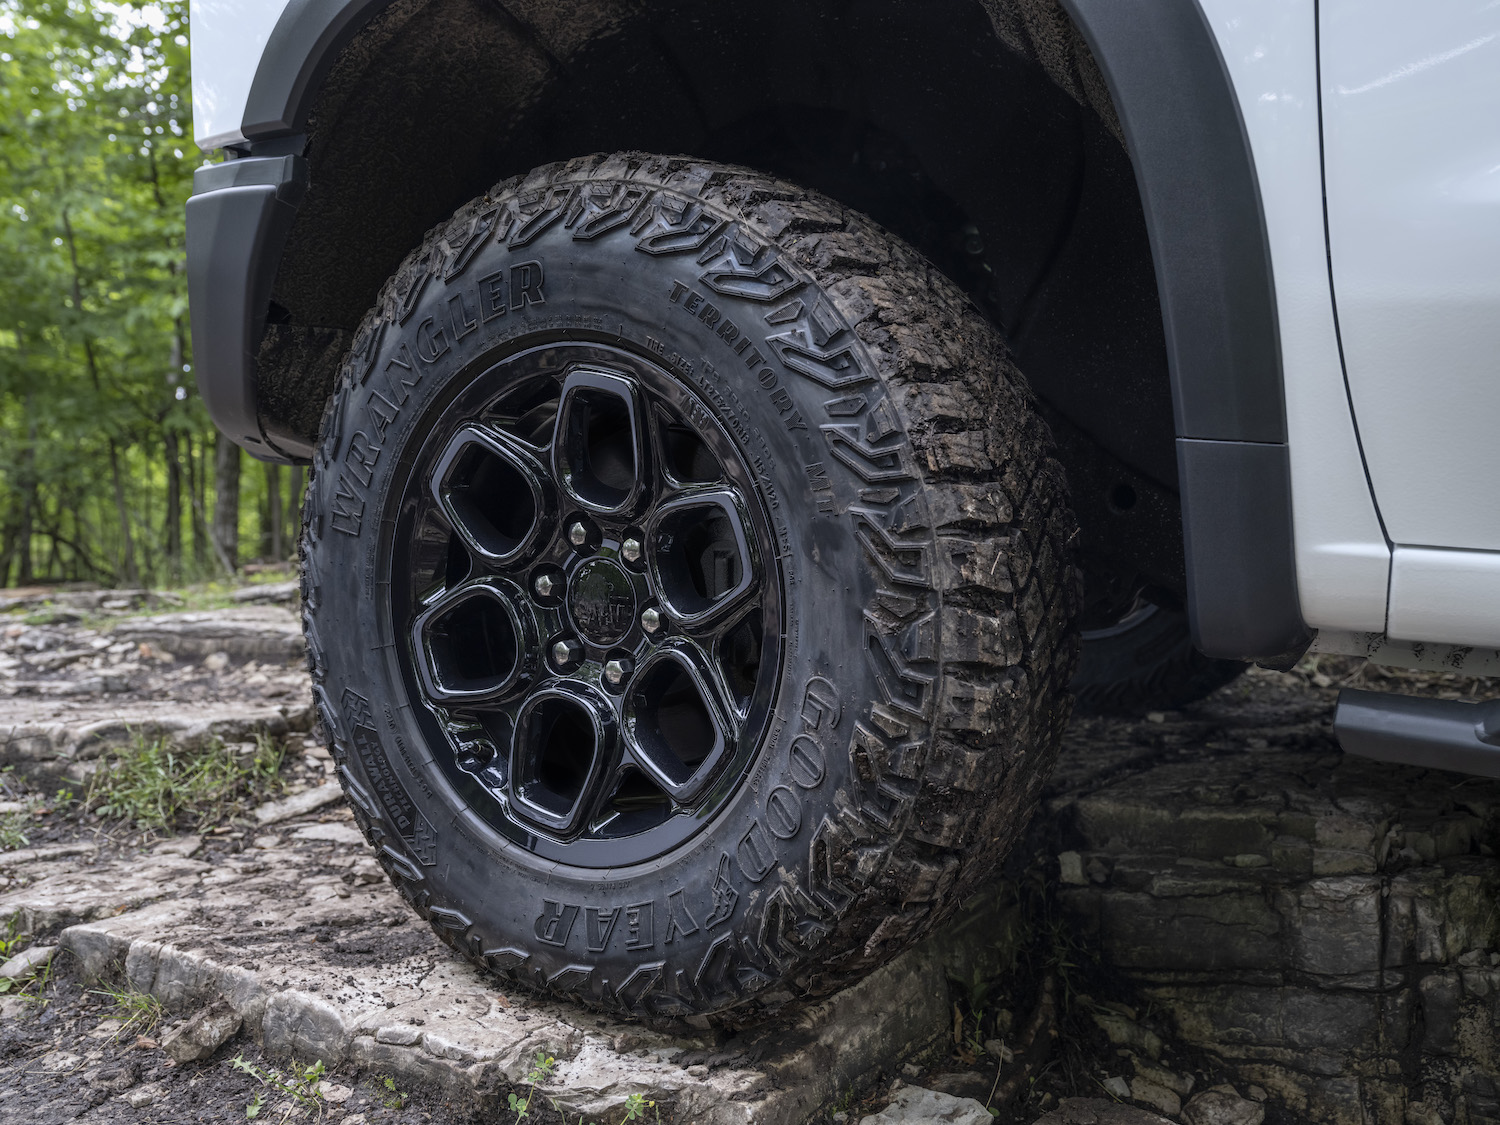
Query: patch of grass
x,y
139,1012
12,943
14,940
156,785
391,1097
13,824
299,1083
13,830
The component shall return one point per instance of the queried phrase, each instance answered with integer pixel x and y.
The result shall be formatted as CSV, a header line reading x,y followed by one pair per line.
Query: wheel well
x,y
978,130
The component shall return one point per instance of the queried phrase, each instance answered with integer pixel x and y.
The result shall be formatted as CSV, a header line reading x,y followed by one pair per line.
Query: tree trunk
x,y
122,511
24,575
28,501
274,529
195,504
227,503
173,534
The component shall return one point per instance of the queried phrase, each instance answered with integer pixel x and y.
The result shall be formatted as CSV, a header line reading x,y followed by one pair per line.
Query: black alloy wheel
x,y
593,603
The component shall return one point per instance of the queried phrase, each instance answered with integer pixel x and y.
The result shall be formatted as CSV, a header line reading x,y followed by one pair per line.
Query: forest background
x,y
110,471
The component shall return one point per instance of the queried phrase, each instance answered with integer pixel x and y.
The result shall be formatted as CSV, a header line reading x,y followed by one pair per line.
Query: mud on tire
x,y
878,738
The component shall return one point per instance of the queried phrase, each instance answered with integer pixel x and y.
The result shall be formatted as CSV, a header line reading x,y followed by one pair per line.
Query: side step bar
x,y
1443,734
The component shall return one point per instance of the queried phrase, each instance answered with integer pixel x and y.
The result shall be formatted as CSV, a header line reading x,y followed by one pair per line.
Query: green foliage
x,y
13,824
106,451
636,1106
390,1096
153,784
541,1070
138,1012
299,1083
13,941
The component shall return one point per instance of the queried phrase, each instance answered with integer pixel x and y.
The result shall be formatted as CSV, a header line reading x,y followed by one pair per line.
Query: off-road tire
x,y
1146,663
922,557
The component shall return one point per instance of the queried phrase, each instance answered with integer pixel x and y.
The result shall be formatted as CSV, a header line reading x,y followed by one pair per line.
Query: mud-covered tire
x,y
1146,662
920,567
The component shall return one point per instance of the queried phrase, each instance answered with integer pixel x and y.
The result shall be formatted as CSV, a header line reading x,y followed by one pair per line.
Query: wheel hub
x,y
592,603
602,602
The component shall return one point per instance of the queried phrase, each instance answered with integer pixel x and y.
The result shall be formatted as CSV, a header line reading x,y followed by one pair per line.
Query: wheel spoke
x,y
677,727
496,494
564,739
738,647
683,459
473,644
599,450
700,556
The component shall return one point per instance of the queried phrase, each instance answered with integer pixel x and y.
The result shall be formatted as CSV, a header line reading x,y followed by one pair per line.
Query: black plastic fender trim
x,y
307,38
1201,198
238,219
1442,734
1241,578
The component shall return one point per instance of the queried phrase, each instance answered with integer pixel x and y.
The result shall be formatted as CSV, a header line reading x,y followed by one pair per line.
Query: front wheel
x,y
687,588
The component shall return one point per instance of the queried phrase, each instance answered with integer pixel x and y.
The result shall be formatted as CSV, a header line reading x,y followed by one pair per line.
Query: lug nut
x,y
651,620
578,535
615,672
566,653
544,585
630,550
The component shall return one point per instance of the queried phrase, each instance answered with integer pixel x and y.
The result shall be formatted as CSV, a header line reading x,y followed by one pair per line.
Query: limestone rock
x,y
1179,1084
28,962
1125,1032
280,593
1222,1105
964,1083
256,632
1156,1096
1097,1111
335,833
183,846
274,812
203,1034
914,1105
1070,869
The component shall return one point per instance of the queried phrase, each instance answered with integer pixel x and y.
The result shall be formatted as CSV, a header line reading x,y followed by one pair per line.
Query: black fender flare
x,y
308,37
1201,198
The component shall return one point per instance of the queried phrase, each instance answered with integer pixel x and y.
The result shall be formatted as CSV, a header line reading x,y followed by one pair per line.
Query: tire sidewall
x,y
737,906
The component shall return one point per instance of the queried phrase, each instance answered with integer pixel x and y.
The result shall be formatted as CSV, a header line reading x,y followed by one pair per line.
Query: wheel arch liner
x,y
1198,189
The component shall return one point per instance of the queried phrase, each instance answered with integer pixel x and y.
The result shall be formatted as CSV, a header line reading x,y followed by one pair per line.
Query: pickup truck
x,y
739,432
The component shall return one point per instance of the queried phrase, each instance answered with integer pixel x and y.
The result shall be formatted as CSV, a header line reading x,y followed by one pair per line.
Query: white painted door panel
x,y
1411,105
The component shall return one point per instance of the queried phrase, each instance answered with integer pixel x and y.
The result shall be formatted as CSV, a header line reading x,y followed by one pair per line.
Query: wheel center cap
x,y
601,598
